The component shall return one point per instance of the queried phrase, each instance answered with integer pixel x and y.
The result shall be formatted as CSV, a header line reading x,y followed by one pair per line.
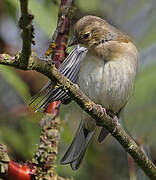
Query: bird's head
x,y
91,31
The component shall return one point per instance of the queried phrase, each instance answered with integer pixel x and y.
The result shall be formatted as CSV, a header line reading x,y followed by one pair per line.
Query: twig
x,y
48,69
25,23
57,47
62,32
64,14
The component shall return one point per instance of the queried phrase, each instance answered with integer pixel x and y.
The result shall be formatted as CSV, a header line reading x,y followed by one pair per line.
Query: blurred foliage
x,y
11,76
142,107
19,125
45,16
11,8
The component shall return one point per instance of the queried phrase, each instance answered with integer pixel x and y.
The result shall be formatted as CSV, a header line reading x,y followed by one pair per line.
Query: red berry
x,y
53,108
18,172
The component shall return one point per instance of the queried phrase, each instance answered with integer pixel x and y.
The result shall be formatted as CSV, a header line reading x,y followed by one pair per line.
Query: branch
x,y
25,23
102,119
64,13
45,156
57,48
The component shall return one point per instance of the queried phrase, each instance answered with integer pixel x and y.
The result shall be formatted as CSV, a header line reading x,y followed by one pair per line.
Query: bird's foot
x,y
111,114
115,120
102,110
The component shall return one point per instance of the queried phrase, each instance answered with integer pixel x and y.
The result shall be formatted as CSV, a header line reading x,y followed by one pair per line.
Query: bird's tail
x,y
77,149
103,134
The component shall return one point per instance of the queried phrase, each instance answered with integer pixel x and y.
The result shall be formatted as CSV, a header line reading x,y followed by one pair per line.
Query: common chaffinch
x,y
104,67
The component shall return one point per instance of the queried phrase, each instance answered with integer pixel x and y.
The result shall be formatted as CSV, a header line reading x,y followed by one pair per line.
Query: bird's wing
x,y
69,68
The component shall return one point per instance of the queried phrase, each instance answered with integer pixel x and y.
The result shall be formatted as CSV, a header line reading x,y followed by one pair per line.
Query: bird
x,y
104,66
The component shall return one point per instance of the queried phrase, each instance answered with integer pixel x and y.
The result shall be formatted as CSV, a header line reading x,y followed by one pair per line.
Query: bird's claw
x,y
102,110
111,114
116,122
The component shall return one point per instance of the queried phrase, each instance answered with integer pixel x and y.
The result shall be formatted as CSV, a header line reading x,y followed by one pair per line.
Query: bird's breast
x,y
107,83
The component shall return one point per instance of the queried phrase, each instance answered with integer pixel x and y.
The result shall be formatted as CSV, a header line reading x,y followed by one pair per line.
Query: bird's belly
x,y
106,84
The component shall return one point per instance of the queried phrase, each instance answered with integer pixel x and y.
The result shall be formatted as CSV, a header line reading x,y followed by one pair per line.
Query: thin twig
x,y
25,23
64,14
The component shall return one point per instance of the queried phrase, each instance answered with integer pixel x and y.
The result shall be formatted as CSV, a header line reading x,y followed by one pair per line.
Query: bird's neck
x,y
113,50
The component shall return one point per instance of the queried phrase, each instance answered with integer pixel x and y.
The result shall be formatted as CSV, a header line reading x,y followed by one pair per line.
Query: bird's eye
x,y
86,35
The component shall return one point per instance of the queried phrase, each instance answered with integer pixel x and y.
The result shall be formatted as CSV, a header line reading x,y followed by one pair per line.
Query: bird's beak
x,y
73,41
